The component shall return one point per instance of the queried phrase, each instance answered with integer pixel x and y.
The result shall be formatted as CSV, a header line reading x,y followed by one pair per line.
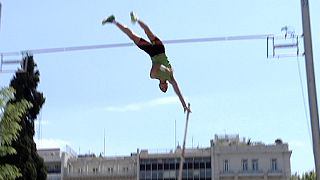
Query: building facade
x,y
159,166
55,161
227,158
236,160
98,168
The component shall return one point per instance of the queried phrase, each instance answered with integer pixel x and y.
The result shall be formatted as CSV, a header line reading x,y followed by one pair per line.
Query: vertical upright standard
x,y
184,145
312,93
0,13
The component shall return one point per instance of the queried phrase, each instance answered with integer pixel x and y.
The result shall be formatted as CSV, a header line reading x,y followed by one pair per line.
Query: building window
x,y
125,169
225,165
148,167
168,168
244,165
80,170
95,170
255,165
69,168
110,169
142,167
274,165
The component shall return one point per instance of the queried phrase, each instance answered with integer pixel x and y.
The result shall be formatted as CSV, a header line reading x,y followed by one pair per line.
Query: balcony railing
x,y
250,173
275,173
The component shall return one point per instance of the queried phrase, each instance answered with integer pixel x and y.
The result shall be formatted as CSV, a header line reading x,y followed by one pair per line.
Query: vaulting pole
x,y
184,145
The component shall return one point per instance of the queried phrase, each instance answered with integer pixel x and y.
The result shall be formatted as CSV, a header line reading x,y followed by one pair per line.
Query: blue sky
x,y
231,85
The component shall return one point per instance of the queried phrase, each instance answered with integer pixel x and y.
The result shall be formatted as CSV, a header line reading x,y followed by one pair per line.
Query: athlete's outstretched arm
x,y
176,88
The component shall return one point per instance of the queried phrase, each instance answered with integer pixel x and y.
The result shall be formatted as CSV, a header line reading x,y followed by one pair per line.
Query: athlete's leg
x,y
134,19
135,38
140,42
158,46
147,30
152,37
112,20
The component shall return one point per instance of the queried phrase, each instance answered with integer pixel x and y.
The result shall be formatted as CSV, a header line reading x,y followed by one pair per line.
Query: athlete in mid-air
x,y
161,68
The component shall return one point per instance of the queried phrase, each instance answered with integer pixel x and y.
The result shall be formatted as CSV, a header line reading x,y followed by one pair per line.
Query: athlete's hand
x,y
186,109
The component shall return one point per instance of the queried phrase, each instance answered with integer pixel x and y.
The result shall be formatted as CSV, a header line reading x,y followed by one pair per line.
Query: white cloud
x,y
51,143
141,105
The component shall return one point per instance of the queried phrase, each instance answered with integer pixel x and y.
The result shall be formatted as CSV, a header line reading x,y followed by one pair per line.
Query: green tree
x,y
27,159
311,175
10,117
295,177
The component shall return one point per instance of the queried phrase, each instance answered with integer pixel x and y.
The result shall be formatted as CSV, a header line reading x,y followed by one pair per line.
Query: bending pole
x,y
312,92
184,145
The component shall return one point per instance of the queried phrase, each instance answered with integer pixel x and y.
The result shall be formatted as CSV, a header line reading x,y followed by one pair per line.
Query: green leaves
x,y
9,172
25,84
10,117
311,175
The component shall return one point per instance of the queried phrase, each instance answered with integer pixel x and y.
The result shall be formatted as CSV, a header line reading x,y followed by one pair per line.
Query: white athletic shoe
x,y
134,17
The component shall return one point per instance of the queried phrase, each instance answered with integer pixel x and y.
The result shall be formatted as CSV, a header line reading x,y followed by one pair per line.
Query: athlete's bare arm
x,y
176,88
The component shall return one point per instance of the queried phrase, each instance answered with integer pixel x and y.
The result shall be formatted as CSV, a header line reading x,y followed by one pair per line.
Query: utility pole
x,y
0,14
312,93
104,142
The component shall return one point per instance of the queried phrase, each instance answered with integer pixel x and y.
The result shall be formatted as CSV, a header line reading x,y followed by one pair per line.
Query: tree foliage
x,y
25,83
311,175
10,117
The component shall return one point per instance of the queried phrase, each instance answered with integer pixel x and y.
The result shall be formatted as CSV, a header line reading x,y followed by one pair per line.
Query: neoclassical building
x,y
227,158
